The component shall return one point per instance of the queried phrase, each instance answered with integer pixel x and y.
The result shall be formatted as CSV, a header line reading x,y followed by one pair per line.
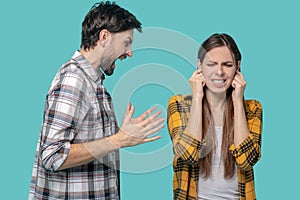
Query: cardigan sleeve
x,y
249,151
186,145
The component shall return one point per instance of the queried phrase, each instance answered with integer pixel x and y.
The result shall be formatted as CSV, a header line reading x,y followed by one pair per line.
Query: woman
x,y
216,133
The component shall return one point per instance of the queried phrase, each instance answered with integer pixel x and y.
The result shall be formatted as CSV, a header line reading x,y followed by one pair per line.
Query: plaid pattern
x,y
78,109
187,149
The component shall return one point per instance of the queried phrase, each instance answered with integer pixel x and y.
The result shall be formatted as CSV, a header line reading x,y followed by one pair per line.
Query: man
x,y
77,154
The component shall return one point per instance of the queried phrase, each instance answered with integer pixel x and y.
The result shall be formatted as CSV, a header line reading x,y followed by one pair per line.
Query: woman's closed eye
x,y
228,64
211,64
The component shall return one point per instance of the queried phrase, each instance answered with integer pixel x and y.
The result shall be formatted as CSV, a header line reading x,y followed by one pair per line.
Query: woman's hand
x,y
239,85
197,83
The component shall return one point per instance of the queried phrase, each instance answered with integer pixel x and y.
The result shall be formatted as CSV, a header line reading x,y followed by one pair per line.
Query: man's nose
x,y
129,53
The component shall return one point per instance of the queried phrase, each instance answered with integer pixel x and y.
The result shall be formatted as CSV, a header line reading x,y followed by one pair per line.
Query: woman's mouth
x,y
219,82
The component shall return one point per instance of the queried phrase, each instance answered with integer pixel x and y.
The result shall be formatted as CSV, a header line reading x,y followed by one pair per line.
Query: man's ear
x,y
199,65
104,36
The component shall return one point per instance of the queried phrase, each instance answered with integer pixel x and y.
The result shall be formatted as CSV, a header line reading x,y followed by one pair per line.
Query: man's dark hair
x,y
106,15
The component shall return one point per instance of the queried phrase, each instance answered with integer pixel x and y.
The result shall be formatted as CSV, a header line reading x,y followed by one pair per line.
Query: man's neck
x,y
92,57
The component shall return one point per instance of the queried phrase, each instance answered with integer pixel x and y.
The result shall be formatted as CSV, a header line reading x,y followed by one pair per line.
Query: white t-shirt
x,y
217,187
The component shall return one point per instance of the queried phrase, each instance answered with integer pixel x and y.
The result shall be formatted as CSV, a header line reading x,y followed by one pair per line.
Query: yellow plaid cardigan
x,y
187,149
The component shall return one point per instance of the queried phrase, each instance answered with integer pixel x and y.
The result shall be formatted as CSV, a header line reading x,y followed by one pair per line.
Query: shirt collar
x,y
85,65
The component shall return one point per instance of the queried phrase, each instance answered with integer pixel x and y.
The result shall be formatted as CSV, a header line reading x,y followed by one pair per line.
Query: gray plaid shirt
x,y
78,109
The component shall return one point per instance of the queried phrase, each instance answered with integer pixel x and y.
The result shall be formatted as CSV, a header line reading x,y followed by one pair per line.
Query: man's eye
x,y
126,44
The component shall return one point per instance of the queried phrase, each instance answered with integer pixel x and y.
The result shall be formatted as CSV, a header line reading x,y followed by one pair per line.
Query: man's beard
x,y
106,66
109,71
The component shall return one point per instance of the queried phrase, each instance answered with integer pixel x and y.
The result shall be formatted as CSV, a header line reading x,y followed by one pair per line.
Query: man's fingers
x,y
152,122
151,139
125,116
154,127
150,119
154,130
129,112
127,108
147,112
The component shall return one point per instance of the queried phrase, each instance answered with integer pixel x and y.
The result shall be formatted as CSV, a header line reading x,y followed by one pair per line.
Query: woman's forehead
x,y
219,53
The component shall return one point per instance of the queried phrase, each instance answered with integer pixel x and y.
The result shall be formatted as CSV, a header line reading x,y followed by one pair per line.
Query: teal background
x,y
38,36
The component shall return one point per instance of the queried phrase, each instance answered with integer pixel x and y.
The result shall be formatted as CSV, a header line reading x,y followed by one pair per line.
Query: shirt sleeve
x,y
62,116
186,145
249,151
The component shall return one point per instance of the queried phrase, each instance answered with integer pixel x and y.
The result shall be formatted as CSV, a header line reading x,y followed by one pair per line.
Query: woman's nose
x,y
220,70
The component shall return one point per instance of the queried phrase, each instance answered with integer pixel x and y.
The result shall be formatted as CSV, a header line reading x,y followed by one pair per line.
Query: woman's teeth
x,y
218,81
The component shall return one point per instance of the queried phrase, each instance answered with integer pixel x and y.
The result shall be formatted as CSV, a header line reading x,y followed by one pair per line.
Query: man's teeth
x,y
218,81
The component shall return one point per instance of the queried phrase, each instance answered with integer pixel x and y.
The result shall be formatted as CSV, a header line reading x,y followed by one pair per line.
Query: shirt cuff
x,y
242,148
55,155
